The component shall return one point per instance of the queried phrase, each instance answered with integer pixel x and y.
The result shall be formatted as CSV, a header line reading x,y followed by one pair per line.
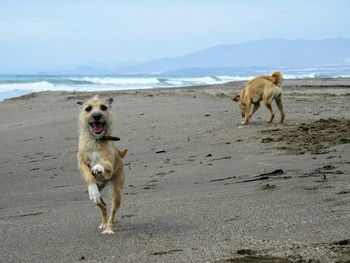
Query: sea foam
x,y
11,86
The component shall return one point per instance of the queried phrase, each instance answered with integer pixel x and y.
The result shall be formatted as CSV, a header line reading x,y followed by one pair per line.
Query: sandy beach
x,y
199,187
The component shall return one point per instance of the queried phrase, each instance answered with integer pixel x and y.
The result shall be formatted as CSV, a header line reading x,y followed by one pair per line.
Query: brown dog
x,y
99,160
266,88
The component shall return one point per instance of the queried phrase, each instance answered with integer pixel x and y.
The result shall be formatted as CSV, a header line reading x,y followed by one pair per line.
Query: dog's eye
x,y
103,107
88,108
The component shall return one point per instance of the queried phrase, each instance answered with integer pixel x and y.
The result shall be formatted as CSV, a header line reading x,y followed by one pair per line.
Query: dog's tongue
x,y
97,127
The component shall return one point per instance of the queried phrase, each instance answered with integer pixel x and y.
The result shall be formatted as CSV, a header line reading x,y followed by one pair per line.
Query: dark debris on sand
x,y
312,137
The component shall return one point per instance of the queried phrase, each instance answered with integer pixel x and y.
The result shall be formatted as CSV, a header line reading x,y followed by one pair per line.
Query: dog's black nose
x,y
96,117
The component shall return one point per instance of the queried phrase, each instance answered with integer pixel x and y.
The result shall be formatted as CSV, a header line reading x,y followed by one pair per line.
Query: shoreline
x,y
331,82
199,186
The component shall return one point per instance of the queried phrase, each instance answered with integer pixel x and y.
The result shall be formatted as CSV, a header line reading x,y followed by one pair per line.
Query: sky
x,y
39,35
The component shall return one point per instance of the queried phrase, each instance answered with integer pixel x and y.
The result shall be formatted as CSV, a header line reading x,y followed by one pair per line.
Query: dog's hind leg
x,y
278,100
116,199
269,107
102,206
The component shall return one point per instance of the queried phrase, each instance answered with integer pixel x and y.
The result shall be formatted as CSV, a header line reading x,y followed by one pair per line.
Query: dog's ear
x,y
110,100
236,98
80,103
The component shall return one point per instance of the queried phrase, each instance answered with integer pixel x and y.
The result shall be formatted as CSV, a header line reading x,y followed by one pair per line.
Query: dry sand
x,y
199,187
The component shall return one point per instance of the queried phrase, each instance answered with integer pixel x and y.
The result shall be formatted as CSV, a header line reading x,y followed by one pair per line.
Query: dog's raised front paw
x,y
98,170
94,193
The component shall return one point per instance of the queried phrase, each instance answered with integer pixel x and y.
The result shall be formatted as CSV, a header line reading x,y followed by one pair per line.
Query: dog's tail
x,y
122,152
277,77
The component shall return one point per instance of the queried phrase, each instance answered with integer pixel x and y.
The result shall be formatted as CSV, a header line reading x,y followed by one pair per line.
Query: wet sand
x,y
199,187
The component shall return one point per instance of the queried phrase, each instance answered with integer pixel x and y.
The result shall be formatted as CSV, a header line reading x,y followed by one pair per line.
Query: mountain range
x,y
252,56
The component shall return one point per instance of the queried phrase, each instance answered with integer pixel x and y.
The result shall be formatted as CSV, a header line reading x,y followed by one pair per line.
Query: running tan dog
x,y
266,88
99,160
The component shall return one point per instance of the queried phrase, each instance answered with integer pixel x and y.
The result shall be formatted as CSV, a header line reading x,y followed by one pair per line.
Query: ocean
x,y
17,85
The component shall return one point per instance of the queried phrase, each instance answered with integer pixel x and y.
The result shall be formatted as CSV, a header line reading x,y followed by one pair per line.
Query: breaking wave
x,y
11,86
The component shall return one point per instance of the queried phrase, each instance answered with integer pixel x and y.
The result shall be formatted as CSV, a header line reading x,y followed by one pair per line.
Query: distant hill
x,y
263,53
245,57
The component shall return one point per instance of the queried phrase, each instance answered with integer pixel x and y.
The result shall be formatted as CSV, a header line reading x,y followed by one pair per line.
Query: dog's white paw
x,y
107,231
94,193
102,226
98,170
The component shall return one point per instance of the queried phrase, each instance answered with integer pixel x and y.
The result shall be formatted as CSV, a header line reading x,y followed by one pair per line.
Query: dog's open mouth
x,y
97,127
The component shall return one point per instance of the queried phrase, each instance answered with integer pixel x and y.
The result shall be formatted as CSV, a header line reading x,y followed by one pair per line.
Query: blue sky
x,y
48,35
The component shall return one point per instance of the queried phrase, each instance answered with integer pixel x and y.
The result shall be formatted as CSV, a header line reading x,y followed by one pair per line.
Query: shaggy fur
x,y
100,161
